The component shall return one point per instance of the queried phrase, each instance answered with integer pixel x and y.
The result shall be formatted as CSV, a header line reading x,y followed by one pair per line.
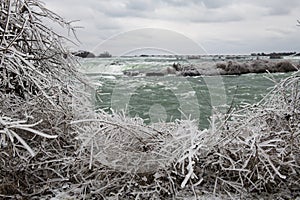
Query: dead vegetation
x,y
256,66
53,144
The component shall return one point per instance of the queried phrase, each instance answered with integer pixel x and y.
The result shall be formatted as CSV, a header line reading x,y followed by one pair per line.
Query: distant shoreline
x,y
252,56
223,68
238,68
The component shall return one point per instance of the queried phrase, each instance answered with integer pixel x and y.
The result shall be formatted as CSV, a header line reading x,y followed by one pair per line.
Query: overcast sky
x,y
184,26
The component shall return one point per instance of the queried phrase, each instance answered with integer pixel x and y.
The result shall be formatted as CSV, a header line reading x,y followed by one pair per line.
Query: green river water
x,y
170,97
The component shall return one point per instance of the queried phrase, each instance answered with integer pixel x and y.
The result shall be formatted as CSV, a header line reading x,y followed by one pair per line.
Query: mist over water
x,y
169,97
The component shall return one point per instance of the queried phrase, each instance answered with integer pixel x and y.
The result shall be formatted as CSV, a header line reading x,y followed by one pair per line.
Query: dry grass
x,y
53,144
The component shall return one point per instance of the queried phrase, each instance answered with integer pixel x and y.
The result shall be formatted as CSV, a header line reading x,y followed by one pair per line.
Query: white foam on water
x,y
109,77
101,66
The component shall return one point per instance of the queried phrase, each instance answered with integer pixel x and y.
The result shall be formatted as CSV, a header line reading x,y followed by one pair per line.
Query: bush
x,y
259,146
38,77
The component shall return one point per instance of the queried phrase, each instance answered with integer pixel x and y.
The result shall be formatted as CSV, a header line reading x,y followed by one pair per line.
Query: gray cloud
x,y
221,25
278,7
137,5
280,31
149,38
212,4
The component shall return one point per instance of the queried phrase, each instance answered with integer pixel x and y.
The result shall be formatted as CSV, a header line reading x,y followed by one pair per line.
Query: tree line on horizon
x,y
275,54
87,54
106,54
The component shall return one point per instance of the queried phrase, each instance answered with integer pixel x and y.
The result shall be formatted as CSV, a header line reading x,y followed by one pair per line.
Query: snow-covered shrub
x,y
260,145
37,79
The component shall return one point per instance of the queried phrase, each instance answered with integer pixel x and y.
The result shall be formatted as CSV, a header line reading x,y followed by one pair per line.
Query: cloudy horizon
x,y
216,26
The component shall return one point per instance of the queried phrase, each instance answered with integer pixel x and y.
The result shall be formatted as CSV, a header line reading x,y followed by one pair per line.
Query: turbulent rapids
x,y
140,86
161,66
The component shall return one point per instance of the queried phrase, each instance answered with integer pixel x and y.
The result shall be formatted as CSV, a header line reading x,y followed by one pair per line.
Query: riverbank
x,y
221,68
